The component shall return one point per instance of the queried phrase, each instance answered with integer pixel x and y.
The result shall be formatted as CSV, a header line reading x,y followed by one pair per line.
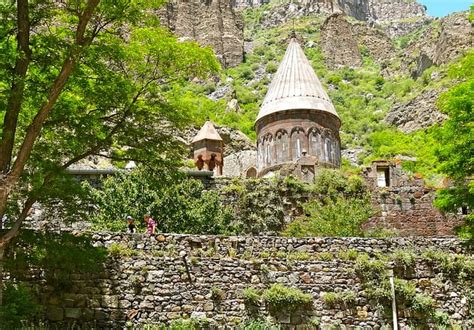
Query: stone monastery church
x,y
297,126
298,134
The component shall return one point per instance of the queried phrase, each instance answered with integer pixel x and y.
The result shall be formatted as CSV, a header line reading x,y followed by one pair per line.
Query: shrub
x,y
422,303
189,324
369,269
404,258
217,294
298,256
251,296
258,325
442,319
339,298
350,254
271,67
341,205
18,307
120,250
280,298
178,204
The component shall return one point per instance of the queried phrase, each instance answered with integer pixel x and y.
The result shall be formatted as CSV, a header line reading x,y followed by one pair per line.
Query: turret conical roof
x,y
295,86
207,132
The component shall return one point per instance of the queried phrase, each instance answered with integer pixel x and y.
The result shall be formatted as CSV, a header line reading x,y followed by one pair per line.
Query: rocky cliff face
x,y
419,113
212,23
341,42
441,43
397,17
339,46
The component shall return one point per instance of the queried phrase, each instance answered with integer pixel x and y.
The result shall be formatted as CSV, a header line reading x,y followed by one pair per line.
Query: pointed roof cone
x,y
295,86
207,132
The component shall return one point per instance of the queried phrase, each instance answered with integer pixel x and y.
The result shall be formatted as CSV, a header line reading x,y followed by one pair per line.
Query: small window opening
x,y
383,177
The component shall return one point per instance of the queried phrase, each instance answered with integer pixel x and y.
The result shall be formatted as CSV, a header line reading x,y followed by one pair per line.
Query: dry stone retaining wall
x,y
177,276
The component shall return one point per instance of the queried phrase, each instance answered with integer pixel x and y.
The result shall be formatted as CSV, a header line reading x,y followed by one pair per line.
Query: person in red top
x,y
150,224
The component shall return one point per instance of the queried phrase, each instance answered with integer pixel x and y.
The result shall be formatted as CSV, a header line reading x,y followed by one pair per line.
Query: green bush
x,y
340,206
258,325
281,298
251,296
368,269
271,67
177,203
345,298
404,258
19,306
120,250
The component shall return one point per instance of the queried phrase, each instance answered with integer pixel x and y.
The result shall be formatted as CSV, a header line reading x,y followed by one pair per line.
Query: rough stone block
x,y
55,314
73,313
110,301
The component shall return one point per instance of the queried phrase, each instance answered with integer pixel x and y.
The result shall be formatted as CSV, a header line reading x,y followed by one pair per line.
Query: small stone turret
x,y
208,149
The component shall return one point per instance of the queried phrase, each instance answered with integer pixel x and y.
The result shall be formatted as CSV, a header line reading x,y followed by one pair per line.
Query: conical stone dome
x,y
295,86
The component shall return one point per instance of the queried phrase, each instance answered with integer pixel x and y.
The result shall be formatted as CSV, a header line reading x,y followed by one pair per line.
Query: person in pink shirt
x,y
150,224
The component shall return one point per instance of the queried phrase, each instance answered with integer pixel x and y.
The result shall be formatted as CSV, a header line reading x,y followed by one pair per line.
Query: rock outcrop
x,y
441,43
397,17
377,42
212,23
419,113
240,164
338,43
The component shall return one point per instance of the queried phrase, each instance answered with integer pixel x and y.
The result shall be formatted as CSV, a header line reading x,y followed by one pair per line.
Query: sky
x,y
440,8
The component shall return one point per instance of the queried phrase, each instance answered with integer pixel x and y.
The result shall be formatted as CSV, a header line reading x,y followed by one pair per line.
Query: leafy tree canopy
x,y
86,78
455,139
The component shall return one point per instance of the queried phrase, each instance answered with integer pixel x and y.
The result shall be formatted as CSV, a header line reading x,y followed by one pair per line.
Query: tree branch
x,y
13,231
35,127
15,99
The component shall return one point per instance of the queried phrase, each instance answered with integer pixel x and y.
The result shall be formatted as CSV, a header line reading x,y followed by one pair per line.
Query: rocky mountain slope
x,y
218,23
397,17
212,23
381,76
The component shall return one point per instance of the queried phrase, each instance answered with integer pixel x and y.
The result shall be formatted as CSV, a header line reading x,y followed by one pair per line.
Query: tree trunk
x,y
2,253
17,86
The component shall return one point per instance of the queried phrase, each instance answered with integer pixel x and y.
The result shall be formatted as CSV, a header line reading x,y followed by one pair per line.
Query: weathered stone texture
x,y
239,163
406,206
213,23
444,41
158,288
339,44
396,17
419,113
377,42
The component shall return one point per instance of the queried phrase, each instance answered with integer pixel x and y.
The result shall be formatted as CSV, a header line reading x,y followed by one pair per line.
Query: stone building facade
x,y
404,204
296,118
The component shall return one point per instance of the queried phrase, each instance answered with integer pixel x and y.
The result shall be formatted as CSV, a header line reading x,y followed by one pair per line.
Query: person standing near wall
x,y
131,224
150,224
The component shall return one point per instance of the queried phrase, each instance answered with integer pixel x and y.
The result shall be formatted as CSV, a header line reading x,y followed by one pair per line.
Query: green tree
x,y
177,203
80,79
340,206
455,138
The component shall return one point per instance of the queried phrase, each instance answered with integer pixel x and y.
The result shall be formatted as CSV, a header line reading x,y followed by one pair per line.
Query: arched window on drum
x,y
268,150
281,146
315,143
260,154
297,143
328,149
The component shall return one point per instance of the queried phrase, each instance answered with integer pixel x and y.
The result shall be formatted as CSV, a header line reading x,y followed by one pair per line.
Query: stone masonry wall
x,y
177,276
